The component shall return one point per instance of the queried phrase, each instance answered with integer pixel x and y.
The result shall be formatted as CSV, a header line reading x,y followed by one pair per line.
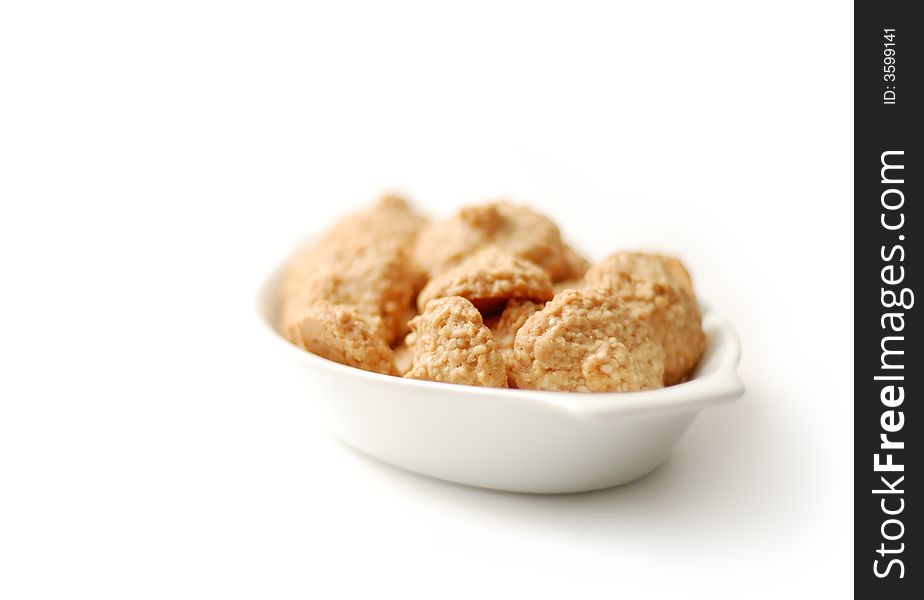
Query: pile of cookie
x,y
491,296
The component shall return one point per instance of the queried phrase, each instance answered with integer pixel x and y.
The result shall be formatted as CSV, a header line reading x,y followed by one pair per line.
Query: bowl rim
x,y
719,384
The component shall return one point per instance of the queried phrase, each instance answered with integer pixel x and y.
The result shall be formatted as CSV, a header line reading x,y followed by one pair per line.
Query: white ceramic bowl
x,y
507,439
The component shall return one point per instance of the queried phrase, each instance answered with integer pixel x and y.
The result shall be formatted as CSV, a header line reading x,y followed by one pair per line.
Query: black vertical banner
x,y
888,367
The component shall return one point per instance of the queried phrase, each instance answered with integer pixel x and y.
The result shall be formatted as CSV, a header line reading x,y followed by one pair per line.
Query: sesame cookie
x,y
513,228
390,217
658,290
376,277
487,278
640,266
505,327
344,335
364,260
451,344
586,341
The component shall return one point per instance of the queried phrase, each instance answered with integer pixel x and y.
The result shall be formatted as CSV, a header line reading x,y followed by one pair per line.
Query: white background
x,y
157,160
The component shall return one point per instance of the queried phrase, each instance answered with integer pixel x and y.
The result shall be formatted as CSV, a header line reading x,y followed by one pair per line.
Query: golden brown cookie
x,y
569,284
364,260
344,335
642,266
451,344
487,278
657,289
389,217
505,326
376,276
587,341
511,227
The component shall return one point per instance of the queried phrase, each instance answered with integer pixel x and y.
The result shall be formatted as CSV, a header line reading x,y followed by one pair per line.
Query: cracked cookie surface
x,y
489,277
586,341
451,344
